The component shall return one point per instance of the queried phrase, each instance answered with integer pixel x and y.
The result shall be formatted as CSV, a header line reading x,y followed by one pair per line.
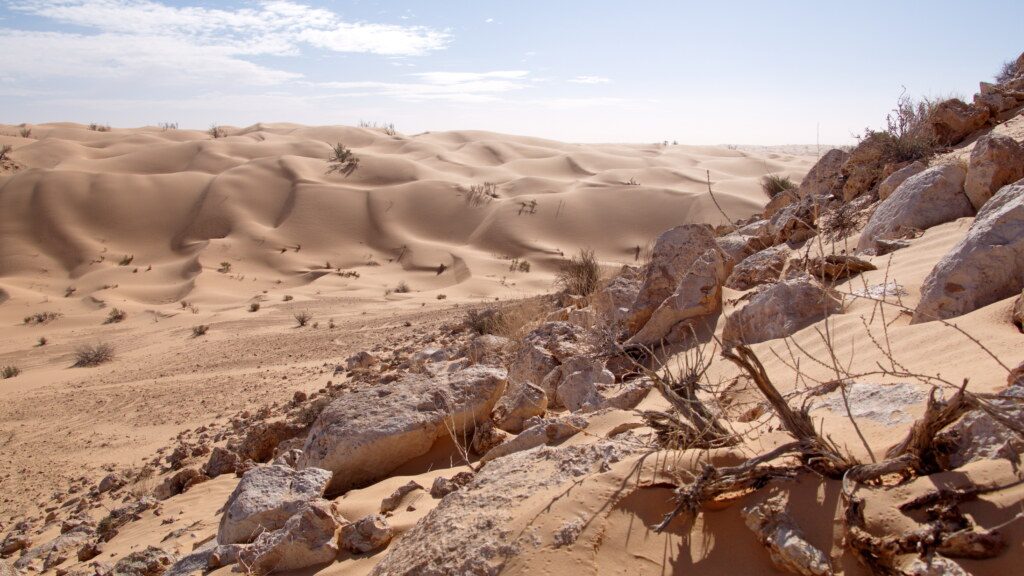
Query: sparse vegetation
x,y
25,132
342,160
403,288
99,127
906,136
4,151
9,372
199,330
254,307
216,131
165,126
387,127
126,260
225,267
478,194
518,265
42,341
93,354
116,315
302,318
1007,71
42,317
512,321
773,185
580,274
288,298
69,291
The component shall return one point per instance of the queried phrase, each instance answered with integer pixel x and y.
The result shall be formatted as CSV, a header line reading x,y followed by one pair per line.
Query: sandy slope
x,y
180,203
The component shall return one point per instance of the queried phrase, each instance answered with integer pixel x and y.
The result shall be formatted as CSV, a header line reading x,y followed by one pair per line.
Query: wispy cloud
x,y
125,38
590,80
453,86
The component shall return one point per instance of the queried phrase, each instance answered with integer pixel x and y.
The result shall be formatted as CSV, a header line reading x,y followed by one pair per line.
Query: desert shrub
x,y
773,185
200,330
632,182
302,318
116,315
26,132
288,298
69,291
580,274
1007,71
126,260
342,160
165,126
216,131
442,296
254,307
387,127
93,354
9,372
42,341
4,151
225,267
906,136
512,321
402,288
42,317
478,194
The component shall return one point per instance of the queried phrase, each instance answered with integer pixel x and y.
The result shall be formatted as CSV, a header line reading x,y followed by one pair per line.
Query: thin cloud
x,y
452,86
590,80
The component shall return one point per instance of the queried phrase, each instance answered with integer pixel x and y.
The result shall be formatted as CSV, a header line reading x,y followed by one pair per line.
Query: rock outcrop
x,y
308,538
760,268
366,534
929,198
363,435
825,177
953,120
697,296
518,404
893,181
778,310
265,498
995,162
675,252
986,266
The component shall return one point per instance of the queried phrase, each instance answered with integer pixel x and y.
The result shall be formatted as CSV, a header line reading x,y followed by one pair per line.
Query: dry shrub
x,y
513,321
773,185
200,330
254,307
1007,71
303,318
9,372
116,315
402,288
93,354
4,151
342,160
580,275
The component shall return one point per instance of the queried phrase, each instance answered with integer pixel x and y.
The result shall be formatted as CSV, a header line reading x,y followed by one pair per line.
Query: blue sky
x,y
589,71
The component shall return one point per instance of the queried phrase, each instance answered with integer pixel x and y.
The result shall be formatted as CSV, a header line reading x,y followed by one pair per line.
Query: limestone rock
x,y
893,181
531,364
266,498
361,360
780,201
674,253
863,168
517,404
697,296
986,266
796,222
487,349
825,177
486,437
996,161
179,483
953,120
835,267
309,538
576,382
929,198
1017,315
262,438
444,486
53,553
392,502
538,433
612,301
366,534
365,434
152,561
779,310
111,482
787,545
760,268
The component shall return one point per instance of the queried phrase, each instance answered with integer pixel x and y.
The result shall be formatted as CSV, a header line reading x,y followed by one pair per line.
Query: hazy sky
x,y
711,72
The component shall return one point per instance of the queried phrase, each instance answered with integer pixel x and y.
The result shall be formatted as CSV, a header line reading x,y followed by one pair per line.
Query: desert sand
x,y
243,232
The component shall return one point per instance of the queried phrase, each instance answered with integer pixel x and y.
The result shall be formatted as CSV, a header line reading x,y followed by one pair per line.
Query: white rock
x,y
265,498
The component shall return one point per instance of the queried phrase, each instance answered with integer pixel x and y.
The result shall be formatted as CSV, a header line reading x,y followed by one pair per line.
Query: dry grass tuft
x,y
116,315
200,330
580,275
773,185
303,318
342,160
9,372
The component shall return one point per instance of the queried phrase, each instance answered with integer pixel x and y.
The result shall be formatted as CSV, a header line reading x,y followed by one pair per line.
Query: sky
x,y
708,72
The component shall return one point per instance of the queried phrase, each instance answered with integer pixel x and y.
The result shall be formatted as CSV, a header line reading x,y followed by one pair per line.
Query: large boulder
x,y
796,222
996,161
927,199
576,382
953,120
365,434
674,253
899,176
778,310
262,438
697,296
367,534
986,266
760,268
265,498
309,538
825,178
